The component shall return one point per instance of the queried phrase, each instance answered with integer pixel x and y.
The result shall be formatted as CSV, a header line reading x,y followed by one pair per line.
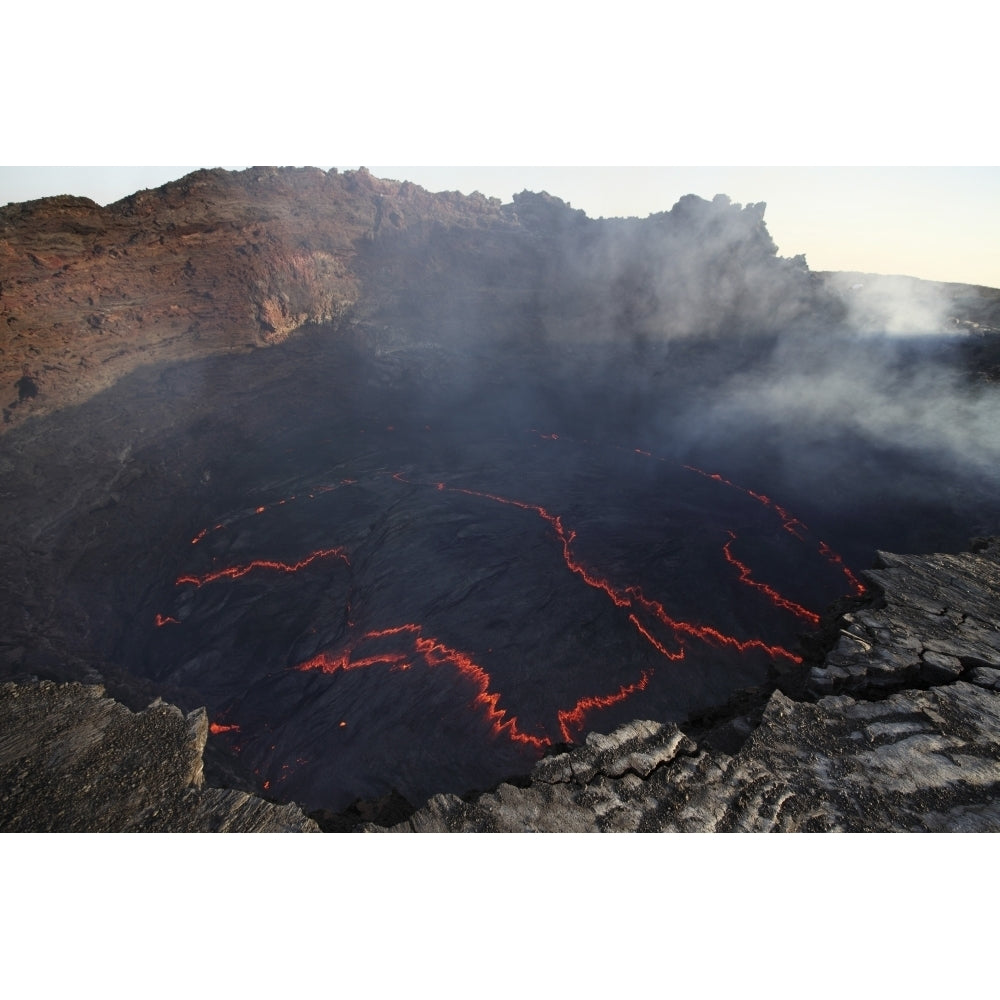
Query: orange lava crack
x,y
576,715
776,599
435,653
236,572
630,596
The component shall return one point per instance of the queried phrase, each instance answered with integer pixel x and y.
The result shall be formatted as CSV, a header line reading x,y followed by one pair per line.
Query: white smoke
x,y
892,304
889,394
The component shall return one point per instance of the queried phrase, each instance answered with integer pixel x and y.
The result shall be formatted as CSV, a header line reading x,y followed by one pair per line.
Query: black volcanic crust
x,y
921,758
93,547
924,758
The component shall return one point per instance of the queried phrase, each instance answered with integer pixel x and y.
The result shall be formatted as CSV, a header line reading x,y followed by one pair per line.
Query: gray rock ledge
x,y
72,760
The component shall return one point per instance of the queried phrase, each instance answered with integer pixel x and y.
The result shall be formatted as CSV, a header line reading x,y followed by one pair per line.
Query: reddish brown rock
x,y
213,263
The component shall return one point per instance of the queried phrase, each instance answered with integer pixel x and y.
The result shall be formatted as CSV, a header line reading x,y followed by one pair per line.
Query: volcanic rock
x,y
216,262
73,760
220,262
915,759
939,616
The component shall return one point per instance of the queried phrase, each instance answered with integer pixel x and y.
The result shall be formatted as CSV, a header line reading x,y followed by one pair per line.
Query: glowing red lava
x,y
577,714
402,647
162,620
856,585
788,521
629,596
775,598
281,502
204,531
235,572
435,654
708,634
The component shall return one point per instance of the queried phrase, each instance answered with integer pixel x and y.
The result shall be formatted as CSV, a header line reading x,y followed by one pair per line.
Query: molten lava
x,y
435,654
235,572
788,522
630,596
834,560
775,598
708,634
404,647
577,714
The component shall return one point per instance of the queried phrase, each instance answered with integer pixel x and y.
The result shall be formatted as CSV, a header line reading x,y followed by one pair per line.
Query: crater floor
x,y
421,571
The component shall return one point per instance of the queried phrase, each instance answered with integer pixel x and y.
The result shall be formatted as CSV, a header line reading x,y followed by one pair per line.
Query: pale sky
x,y
939,223
532,81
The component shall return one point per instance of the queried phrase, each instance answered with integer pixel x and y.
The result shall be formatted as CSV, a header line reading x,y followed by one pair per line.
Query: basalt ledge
x,y
75,761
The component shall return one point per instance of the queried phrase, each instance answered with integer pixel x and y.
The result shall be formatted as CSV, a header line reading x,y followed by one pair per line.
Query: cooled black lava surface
x,y
436,478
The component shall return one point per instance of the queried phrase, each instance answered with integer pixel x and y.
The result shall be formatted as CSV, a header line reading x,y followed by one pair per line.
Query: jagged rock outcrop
x,y
73,760
220,262
939,620
915,760
215,262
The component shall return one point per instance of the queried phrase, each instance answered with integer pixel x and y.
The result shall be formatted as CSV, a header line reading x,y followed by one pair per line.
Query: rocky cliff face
x,y
222,262
213,263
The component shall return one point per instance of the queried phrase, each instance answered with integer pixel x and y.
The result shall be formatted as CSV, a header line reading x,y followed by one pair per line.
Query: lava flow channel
x,y
631,596
263,508
236,572
576,716
835,560
789,523
434,653
767,590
